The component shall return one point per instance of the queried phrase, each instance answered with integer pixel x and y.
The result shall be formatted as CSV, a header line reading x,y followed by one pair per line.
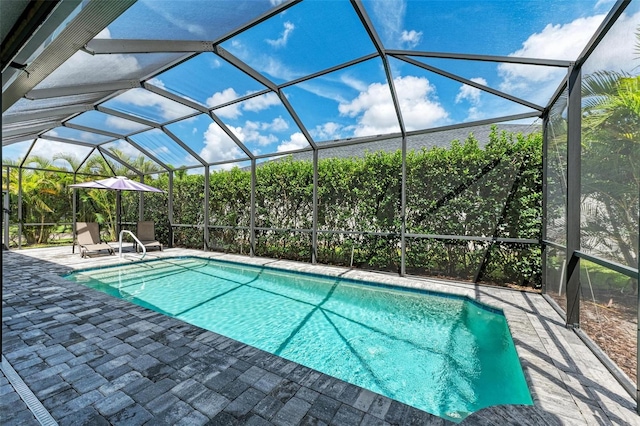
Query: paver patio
x,y
92,359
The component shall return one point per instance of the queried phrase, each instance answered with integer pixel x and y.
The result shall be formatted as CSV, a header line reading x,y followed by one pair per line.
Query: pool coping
x,y
565,390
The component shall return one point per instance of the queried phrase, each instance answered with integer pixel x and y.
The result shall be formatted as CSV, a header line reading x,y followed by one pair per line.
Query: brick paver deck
x,y
92,359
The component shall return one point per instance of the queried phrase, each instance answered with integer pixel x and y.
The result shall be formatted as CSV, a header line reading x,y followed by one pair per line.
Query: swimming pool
x,y
446,355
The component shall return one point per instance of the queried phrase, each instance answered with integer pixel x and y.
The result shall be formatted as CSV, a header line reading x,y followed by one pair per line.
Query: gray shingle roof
x,y
417,142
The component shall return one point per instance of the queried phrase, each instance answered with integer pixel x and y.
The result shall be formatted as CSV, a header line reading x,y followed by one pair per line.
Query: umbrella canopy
x,y
117,183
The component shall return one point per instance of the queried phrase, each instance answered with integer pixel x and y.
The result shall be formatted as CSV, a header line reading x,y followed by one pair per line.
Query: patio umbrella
x,y
118,184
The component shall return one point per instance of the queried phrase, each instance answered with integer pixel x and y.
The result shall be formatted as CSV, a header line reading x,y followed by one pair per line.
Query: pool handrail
x,y
144,249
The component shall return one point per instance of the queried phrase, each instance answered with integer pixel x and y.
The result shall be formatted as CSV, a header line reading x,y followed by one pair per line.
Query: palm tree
x,y
42,198
611,163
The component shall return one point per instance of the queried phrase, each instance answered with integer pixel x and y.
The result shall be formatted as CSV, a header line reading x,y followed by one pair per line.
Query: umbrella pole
x,y
118,212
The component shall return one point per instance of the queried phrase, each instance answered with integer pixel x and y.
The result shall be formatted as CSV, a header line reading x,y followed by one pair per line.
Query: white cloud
x,y
214,62
219,98
566,41
48,149
474,114
168,109
260,103
471,93
278,125
376,114
265,64
161,150
354,83
602,3
122,124
390,15
323,90
273,67
617,50
297,141
327,131
284,36
155,81
218,146
553,42
276,2
83,68
411,38
252,132
125,147
233,111
91,137
183,24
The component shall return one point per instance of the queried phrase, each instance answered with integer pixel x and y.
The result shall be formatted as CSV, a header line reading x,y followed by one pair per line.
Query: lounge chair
x,y
88,235
146,233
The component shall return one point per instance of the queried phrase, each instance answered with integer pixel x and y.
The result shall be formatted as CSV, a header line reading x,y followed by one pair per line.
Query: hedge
x,y
462,190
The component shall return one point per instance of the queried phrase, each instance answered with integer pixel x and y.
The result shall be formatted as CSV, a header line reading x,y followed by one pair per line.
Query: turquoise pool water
x,y
446,355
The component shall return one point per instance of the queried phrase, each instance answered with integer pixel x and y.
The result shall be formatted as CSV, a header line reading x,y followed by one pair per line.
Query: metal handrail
x,y
144,249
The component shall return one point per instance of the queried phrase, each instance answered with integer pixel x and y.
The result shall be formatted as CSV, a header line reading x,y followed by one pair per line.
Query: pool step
x,y
138,273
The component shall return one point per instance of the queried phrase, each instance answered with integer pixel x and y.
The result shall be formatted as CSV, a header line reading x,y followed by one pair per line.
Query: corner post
x,y
574,150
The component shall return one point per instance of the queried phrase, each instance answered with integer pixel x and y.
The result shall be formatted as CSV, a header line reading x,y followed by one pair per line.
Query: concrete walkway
x,y
91,359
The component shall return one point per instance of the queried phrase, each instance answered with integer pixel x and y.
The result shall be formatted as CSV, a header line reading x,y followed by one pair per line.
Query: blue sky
x,y
356,101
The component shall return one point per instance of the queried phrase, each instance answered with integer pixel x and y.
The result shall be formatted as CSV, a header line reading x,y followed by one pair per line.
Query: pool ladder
x,y
144,249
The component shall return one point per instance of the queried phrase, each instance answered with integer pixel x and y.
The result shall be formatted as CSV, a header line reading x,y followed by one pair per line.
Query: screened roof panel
x,y
28,105
208,80
116,166
164,148
557,29
107,122
513,79
429,100
185,20
132,156
78,135
48,154
15,152
619,49
351,102
94,164
148,105
306,38
228,166
54,34
29,126
263,125
83,68
301,39
207,139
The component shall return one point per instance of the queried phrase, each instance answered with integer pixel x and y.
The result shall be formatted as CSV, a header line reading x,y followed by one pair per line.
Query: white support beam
x,y
129,46
93,130
43,114
227,56
471,83
483,58
183,145
373,34
70,141
19,138
92,19
232,135
176,98
81,89
129,117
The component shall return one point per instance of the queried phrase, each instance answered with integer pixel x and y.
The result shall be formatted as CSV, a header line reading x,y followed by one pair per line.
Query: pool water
x,y
447,355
